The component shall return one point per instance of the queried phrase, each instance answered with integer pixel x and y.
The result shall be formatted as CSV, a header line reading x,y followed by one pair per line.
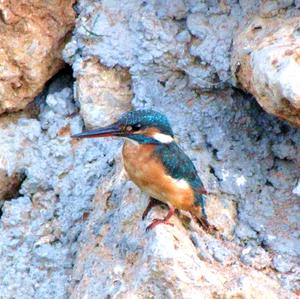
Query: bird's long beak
x,y
111,130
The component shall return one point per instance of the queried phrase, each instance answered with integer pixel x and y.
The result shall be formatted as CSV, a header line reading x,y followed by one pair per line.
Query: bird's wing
x,y
179,166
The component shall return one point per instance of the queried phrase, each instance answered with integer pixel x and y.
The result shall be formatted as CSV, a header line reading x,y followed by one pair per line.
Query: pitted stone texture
x,y
58,240
118,259
40,228
270,8
32,36
9,185
140,35
10,175
246,158
266,63
103,93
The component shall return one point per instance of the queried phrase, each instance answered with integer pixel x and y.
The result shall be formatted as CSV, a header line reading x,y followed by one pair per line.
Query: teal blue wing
x,y
179,166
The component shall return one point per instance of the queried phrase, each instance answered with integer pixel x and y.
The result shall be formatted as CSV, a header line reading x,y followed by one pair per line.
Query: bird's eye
x,y
133,128
136,127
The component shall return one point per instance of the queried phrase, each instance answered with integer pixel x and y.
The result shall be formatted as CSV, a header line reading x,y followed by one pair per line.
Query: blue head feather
x,y
147,119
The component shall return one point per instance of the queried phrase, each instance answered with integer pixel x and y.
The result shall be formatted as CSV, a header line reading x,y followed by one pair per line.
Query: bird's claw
x,y
156,222
146,212
152,203
209,228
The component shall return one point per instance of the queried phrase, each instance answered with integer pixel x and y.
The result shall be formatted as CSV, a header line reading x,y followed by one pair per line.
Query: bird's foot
x,y
156,222
152,203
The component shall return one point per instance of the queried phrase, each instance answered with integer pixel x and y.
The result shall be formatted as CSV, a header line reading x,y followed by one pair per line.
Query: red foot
x,y
152,203
155,222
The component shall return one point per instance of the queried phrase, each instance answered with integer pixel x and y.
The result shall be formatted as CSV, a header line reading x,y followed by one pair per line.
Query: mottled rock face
x,y
9,185
103,93
266,63
32,35
121,261
74,228
10,175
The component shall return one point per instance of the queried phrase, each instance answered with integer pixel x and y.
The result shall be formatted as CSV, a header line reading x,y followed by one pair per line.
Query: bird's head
x,y
142,126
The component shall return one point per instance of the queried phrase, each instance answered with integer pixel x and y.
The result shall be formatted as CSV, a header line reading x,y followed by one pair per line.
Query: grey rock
x,y
39,230
281,264
75,229
270,8
247,156
255,257
244,232
220,253
171,9
203,252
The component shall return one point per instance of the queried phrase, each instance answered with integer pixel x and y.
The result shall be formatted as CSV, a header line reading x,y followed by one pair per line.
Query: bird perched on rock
x,y
156,164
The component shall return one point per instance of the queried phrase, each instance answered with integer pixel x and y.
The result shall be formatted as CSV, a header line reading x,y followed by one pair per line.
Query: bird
x,y
157,165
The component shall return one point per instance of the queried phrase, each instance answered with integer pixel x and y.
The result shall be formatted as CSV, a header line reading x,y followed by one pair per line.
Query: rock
x,y
281,264
39,227
222,215
32,36
235,146
220,253
171,9
103,93
10,175
201,246
74,228
269,8
166,260
255,257
9,185
296,190
244,287
265,63
244,232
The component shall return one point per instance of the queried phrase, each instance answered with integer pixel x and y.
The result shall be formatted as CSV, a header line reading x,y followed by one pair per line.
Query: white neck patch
x,y
131,141
163,138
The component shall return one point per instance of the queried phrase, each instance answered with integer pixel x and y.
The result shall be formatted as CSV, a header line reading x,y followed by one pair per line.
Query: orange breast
x,y
148,173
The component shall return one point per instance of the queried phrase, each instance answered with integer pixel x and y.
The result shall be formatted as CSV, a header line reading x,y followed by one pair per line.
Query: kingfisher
x,y
157,165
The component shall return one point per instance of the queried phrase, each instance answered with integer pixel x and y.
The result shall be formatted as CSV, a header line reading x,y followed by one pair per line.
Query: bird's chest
x,y
140,164
148,173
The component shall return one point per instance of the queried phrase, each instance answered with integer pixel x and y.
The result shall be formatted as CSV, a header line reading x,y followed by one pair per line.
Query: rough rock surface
x,y
32,35
75,229
103,93
9,179
266,63
9,185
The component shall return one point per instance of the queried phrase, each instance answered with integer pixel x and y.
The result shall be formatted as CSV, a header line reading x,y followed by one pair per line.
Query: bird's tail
x,y
199,213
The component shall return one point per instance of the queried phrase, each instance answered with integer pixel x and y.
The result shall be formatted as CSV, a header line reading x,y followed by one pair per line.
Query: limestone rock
x,y
9,185
74,229
10,176
265,63
121,260
32,36
103,93
241,153
269,8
